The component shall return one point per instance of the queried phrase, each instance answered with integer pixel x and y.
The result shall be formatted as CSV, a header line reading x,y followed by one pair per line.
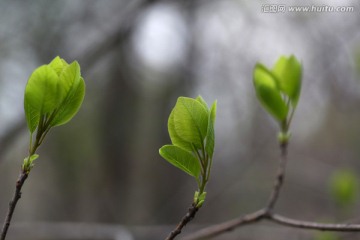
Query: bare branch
x,y
262,214
17,195
267,214
252,217
186,219
279,178
218,229
338,227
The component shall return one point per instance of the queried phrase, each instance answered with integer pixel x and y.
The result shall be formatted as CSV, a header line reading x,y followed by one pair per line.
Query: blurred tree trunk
x,y
119,112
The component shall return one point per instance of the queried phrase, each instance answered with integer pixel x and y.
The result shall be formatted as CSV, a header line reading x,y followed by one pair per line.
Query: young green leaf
x,y
32,116
268,92
191,121
58,64
74,88
70,106
42,91
42,95
175,139
53,93
210,137
181,159
29,162
202,101
288,73
34,157
70,77
199,199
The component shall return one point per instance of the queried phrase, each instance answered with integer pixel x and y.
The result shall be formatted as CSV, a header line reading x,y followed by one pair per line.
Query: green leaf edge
x,y
181,163
280,110
200,134
290,86
210,136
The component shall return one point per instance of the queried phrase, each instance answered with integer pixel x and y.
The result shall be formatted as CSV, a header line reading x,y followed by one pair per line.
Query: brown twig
x,y
279,178
218,229
267,213
17,195
338,227
251,217
24,173
187,218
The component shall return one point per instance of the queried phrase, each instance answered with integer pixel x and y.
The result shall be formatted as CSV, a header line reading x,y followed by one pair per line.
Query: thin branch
x,y
267,214
17,195
21,180
279,177
186,219
252,217
262,214
218,229
338,227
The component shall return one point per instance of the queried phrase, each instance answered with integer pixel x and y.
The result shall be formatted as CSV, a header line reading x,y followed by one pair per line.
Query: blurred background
x,y
101,177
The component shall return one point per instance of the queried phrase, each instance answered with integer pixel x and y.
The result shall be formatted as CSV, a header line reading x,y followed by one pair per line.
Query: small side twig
x,y
17,195
186,219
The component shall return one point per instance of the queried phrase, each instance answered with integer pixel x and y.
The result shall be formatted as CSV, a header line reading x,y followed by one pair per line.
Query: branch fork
x,y
267,213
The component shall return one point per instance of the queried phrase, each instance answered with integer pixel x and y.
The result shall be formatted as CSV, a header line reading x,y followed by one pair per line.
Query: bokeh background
x,y
101,177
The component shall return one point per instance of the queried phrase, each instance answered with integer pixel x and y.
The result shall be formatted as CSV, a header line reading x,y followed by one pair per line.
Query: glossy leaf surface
x,y
181,159
288,73
191,121
268,93
175,138
74,88
210,138
42,95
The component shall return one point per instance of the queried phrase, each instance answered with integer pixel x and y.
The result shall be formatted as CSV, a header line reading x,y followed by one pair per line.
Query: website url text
x,y
281,8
